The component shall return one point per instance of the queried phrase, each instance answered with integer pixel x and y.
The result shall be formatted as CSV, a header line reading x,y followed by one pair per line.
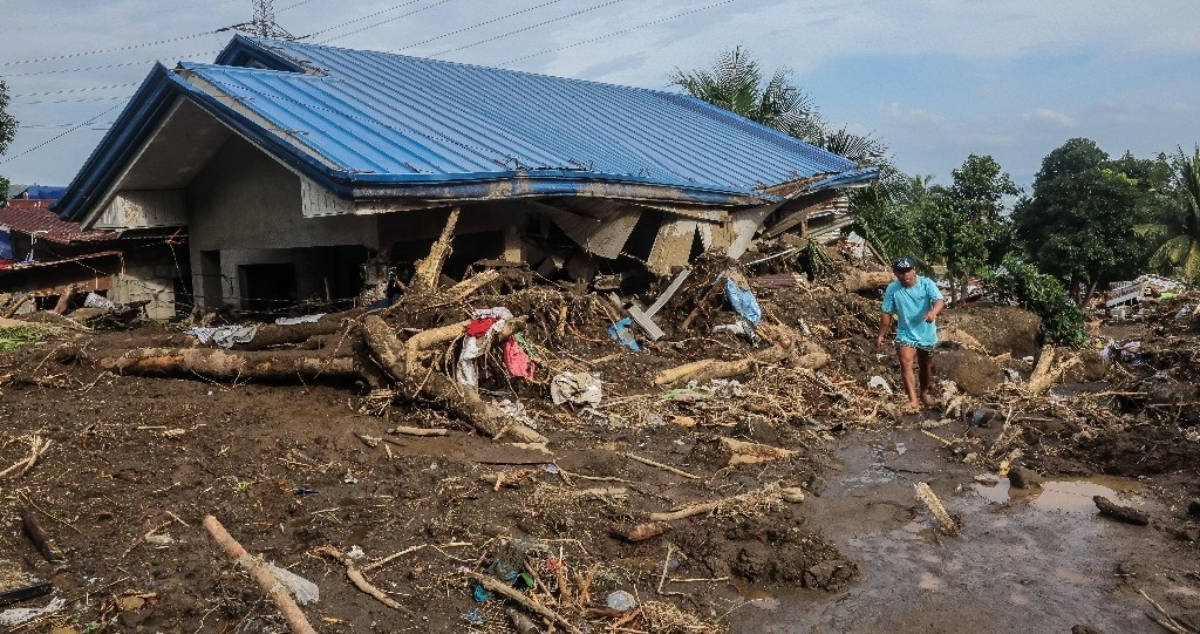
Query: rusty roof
x,y
34,217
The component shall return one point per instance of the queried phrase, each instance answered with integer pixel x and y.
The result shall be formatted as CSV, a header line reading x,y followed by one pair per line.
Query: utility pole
x,y
263,24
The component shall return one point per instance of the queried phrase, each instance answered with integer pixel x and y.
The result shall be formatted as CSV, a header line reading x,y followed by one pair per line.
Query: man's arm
x,y
885,326
938,307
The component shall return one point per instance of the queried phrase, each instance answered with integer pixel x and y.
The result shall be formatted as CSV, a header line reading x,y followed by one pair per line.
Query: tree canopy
x,y
1079,223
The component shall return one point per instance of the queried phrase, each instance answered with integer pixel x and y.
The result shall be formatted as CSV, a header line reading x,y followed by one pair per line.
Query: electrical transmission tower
x,y
263,22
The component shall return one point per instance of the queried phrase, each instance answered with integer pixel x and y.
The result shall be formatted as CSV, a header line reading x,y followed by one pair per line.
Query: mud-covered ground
x,y
136,463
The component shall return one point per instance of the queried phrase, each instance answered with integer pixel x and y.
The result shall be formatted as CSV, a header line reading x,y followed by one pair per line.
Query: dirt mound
x,y
973,372
999,329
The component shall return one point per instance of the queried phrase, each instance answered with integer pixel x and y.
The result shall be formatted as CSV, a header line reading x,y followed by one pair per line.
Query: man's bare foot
x,y
928,400
913,407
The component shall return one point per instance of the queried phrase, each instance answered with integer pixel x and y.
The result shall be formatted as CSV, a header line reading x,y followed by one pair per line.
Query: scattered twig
x,y
262,575
359,581
492,585
659,465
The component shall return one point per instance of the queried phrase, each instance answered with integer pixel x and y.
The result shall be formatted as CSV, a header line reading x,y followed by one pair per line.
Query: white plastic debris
x,y
98,301
467,374
17,616
579,388
355,552
224,336
879,383
160,540
349,478
620,601
303,319
305,591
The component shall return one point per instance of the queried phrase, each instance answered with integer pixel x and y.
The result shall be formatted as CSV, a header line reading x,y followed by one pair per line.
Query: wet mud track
x,y
1025,561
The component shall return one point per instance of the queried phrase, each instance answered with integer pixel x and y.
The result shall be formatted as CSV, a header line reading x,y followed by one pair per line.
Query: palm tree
x,y
735,83
1180,251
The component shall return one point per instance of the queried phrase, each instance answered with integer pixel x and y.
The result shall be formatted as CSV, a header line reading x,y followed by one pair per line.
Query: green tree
x,y
964,226
1044,295
8,128
1177,227
1079,223
736,82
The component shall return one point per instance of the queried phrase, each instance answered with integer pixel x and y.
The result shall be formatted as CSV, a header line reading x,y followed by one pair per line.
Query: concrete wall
x,y
247,206
148,275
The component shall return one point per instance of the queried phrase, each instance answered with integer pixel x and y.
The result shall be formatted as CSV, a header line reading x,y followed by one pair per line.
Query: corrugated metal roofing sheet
x,y
415,119
34,217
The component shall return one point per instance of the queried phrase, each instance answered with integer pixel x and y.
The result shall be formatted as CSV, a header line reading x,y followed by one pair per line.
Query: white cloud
x,y
1052,117
911,116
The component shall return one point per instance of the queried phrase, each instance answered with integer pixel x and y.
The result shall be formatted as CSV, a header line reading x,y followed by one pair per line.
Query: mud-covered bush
x,y
1044,295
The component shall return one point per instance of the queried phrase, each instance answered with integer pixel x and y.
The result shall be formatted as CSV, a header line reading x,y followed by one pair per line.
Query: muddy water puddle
x,y
1027,560
1068,495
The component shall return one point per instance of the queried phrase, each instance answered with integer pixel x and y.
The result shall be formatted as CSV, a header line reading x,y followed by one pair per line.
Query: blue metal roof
x,y
367,124
42,192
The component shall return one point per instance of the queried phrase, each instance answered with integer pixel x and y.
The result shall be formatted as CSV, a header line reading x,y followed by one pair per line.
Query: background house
x,y
303,171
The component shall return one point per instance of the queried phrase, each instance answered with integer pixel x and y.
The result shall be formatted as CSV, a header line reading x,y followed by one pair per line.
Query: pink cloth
x,y
518,363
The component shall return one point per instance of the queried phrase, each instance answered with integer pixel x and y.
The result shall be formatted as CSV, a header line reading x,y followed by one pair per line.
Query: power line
x,y
107,66
293,6
381,23
69,100
358,19
64,91
116,49
529,28
477,25
57,136
616,33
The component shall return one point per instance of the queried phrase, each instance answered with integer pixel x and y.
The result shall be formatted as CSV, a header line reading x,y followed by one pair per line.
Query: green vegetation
x,y
1177,227
14,337
1042,294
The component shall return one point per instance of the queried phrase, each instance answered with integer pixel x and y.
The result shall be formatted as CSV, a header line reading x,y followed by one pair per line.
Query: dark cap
x,y
903,264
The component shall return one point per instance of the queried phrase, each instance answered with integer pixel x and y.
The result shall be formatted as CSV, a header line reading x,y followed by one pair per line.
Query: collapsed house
x,y
53,263
301,171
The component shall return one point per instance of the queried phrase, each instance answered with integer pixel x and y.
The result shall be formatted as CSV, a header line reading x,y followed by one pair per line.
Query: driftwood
x,y
64,300
356,577
708,369
37,449
664,467
492,585
641,532
17,304
467,287
1120,513
859,281
431,337
742,452
38,536
419,431
931,501
429,269
768,494
262,575
413,380
269,335
221,364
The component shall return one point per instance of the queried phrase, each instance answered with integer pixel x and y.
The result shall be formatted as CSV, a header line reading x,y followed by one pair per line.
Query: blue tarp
x,y
6,248
743,301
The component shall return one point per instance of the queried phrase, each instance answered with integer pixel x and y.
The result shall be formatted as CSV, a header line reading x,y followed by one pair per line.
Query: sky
x,y
936,80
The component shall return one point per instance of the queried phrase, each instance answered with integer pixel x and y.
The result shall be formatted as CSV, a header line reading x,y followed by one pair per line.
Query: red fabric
x,y
479,327
518,363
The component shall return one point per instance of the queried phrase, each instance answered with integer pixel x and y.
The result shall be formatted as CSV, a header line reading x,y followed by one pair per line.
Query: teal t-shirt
x,y
910,305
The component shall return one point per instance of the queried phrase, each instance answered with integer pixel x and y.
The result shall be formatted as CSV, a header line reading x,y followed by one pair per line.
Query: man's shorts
x,y
919,347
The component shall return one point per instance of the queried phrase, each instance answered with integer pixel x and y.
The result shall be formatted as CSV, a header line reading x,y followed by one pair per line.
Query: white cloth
x,y
225,336
579,388
466,372
303,319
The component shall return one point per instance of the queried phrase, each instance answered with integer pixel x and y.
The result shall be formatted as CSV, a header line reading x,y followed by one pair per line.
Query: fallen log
x,y
431,337
467,287
429,269
742,452
1120,513
269,335
261,575
708,369
219,364
859,281
437,387
20,301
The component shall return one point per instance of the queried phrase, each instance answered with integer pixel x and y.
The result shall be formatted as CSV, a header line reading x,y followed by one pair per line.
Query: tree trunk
x,y
229,365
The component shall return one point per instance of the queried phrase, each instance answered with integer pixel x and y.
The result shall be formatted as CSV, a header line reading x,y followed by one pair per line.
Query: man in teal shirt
x,y
916,302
